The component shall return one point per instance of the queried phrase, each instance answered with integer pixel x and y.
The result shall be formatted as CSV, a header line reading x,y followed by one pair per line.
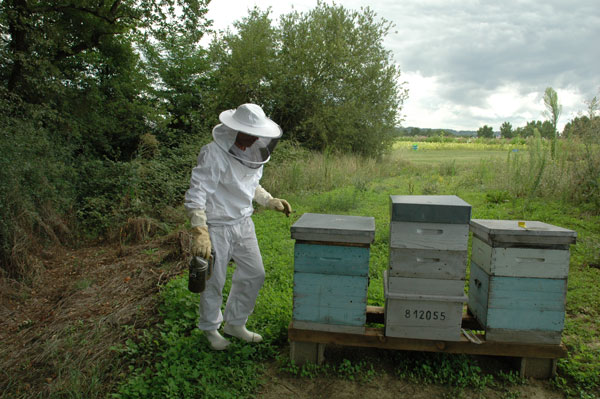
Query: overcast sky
x,y
468,63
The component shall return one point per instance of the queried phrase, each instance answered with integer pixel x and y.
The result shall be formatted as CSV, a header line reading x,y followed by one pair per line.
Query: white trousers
x,y
237,242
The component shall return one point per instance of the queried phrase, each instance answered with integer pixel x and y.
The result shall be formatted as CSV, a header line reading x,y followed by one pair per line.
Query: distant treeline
x,y
427,132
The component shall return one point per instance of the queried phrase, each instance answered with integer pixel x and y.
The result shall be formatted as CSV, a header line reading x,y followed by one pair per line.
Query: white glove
x,y
262,196
280,205
201,244
197,217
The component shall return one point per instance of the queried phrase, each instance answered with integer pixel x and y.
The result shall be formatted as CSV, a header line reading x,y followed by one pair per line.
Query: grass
x,y
459,156
171,359
175,361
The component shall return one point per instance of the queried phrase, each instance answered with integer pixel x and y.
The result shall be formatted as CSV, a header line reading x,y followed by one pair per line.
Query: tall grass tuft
x,y
296,170
525,170
573,175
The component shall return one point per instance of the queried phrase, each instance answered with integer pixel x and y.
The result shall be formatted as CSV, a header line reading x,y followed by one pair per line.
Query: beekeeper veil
x,y
247,134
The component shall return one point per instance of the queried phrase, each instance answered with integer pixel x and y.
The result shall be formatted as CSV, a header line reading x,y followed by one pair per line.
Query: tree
x,y
485,131
80,59
324,76
576,127
544,128
245,63
182,78
553,111
506,130
586,127
553,108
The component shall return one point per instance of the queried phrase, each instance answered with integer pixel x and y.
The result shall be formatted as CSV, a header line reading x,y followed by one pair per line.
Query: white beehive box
x,y
427,263
520,262
435,317
428,236
426,286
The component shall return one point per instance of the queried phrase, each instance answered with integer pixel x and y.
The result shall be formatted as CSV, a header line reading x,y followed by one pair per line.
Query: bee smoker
x,y
200,271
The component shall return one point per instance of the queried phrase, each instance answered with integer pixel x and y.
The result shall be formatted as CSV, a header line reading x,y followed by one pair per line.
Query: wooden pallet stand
x,y
536,361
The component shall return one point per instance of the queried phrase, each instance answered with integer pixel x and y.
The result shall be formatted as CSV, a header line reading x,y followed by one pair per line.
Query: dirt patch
x,y
384,384
63,326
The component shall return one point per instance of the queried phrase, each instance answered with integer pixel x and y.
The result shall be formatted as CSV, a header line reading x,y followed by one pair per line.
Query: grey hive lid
x,y
334,228
501,233
429,209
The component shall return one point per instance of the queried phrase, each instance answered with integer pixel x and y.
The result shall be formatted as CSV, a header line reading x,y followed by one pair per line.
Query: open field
x,y
463,154
460,157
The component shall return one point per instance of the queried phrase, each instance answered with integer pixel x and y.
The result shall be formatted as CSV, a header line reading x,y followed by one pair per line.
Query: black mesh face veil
x,y
252,151
257,154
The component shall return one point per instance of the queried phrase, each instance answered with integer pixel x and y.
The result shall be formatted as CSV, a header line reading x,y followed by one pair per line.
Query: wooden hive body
x,y
518,280
331,271
428,236
421,316
424,284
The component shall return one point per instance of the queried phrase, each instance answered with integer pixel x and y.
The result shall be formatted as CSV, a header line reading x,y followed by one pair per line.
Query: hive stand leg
x,y
537,368
302,352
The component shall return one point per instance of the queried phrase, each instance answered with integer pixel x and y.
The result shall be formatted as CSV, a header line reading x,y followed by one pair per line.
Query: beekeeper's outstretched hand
x,y
280,205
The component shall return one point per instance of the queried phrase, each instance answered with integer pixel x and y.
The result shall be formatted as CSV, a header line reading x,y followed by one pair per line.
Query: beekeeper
x,y
219,206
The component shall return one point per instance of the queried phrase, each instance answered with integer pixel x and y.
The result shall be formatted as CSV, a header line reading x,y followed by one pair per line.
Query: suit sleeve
x,y
204,181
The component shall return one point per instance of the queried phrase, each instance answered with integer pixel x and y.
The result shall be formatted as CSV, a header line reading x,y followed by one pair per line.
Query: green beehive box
x,y
429,209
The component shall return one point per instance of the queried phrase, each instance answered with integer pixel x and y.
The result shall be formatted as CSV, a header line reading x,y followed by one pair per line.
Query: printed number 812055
x,y
424,315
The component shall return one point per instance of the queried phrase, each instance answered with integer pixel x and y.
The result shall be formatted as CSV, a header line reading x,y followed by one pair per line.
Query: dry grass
x,y
139,229
56,335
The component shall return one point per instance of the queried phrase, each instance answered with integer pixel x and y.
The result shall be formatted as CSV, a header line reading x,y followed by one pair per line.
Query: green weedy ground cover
x,y
174,360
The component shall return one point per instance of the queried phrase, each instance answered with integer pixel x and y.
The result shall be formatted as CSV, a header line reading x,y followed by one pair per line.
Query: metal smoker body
x,y
200,271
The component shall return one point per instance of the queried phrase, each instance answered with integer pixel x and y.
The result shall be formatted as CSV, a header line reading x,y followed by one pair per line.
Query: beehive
x,y
331,271
518,279
424,284
414,315
428,236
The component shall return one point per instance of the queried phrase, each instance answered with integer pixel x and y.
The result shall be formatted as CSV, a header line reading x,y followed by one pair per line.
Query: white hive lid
x,y
500,233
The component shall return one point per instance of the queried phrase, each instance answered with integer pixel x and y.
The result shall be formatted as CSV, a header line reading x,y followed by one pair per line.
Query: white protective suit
x,y
224,187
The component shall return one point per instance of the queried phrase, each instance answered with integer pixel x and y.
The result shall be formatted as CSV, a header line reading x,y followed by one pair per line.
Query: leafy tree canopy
x,y
583,127
79,58
324,76
545,128
506,130
485,131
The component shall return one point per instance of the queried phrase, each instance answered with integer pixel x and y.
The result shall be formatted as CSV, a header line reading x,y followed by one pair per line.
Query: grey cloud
x,y
475,47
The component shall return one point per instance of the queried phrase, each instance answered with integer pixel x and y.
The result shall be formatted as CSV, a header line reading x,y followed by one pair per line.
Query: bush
x,y
35,188
111,192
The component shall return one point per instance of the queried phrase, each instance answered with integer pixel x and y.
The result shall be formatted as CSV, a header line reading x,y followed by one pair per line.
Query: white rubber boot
x,y
241,333
216,340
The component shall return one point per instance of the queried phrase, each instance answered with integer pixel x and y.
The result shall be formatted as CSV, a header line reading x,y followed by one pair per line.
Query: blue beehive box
x,y
331,271
518,279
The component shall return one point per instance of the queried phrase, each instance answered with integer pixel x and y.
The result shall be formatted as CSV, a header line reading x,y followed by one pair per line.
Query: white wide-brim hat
x,y
250,119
